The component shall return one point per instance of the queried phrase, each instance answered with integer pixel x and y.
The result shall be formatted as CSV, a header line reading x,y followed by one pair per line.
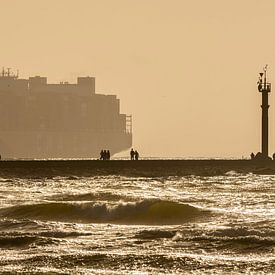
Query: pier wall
x,y
152,168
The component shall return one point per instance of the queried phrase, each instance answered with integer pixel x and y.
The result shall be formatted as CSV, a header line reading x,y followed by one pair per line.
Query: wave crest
x,y
142,212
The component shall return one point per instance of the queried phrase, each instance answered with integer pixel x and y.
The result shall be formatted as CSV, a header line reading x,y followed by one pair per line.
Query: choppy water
x,y
131,225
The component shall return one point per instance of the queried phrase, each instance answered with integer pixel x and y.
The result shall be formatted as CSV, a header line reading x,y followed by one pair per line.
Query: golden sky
x,y
185,70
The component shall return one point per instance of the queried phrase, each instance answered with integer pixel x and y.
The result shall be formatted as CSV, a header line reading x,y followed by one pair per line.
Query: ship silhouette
x,y
41,120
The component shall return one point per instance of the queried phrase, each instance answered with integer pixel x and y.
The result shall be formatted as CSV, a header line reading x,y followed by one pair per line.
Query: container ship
x,y
41,120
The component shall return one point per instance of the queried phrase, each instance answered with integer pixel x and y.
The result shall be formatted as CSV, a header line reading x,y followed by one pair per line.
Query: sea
x,y
130,223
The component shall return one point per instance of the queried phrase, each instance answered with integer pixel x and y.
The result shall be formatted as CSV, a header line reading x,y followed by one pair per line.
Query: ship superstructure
x,y
42,120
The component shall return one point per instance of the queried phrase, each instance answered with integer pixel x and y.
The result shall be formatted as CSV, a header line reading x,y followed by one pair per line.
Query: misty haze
x,y
185,70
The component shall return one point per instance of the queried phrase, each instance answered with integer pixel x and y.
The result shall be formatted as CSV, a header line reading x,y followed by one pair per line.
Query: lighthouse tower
x,y
264,87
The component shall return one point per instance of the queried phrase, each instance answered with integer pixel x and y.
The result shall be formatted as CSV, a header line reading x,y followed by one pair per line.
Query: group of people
x,y
134,154
260,156
105,155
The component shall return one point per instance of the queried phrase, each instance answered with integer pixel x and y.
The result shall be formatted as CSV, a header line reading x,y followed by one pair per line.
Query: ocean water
x,y
119,224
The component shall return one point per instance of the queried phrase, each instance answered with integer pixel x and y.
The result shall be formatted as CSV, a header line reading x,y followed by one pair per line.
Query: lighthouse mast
x,y
264,87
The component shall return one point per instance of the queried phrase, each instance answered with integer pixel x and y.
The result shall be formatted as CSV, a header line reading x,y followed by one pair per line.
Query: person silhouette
x,y
101,155
252,155
108,155
132,154
136,155
259,156
104,155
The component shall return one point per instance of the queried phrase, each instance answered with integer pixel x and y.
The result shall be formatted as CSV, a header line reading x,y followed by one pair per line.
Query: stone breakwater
x,y
153,168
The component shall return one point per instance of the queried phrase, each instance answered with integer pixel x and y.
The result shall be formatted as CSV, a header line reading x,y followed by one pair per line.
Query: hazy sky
x,y
185,70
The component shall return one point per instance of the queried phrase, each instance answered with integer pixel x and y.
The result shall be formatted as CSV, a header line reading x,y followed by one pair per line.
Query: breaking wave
x,y
142,212
104,196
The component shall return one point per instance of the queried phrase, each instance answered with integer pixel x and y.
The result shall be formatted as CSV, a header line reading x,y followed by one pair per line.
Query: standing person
x,y
108,155
104,155
136,155
132,154
101,155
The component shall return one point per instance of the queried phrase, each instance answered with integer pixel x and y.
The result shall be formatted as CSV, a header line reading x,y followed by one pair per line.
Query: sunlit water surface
x,y
134,225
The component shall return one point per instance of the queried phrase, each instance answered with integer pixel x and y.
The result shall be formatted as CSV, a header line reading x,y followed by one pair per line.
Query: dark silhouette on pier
x,y
105,155
132,154
136,155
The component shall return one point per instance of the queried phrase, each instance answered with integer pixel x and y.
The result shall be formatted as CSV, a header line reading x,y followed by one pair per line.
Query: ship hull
x,y
61,144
